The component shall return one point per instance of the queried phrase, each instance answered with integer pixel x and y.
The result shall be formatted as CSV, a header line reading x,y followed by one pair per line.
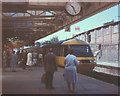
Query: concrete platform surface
x,y
29,82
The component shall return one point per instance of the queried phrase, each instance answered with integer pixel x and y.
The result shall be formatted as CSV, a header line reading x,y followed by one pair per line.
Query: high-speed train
x,y
81,50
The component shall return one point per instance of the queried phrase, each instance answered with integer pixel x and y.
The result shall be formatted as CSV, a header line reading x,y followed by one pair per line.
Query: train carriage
x,y
81,49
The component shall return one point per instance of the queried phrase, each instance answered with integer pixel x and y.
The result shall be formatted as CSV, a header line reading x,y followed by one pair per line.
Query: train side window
x,y
56,51
87,50
61,51
65,50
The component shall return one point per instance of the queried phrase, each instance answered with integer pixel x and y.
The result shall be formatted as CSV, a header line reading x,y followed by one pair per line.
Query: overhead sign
x,y
77,28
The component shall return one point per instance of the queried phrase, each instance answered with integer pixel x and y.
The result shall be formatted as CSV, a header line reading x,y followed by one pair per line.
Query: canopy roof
x,y
25,22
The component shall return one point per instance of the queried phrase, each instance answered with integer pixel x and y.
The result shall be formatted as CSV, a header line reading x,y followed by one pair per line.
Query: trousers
x,y
49,79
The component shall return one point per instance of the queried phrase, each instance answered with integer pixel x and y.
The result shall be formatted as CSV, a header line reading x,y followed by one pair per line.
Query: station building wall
x,y
107,36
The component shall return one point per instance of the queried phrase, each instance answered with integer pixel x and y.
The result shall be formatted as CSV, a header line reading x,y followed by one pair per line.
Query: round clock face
x,y
73,8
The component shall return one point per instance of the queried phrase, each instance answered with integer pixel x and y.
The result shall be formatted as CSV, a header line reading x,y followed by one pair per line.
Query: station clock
x,y
73,8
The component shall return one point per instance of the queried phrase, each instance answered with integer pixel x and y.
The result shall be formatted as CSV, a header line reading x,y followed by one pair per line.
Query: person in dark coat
x,y
50,66
24,59
40,58
8,58
13,61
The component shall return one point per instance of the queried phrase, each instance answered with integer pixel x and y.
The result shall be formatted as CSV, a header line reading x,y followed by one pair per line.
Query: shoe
x,y
29,69
47,87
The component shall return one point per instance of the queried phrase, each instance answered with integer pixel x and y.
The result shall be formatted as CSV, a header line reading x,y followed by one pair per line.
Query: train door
x,y
65,50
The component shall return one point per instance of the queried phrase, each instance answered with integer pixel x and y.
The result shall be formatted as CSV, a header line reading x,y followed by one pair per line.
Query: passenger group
x,y
28,59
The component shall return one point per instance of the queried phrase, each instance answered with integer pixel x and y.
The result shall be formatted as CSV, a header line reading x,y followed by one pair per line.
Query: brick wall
x,y
109,41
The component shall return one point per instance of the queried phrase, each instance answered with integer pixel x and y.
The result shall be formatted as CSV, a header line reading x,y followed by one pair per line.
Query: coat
x,y
29,59
50,63
70,73
13,60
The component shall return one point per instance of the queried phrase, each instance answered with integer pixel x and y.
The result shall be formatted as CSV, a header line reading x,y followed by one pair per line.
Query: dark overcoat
x,y
13,60
50,62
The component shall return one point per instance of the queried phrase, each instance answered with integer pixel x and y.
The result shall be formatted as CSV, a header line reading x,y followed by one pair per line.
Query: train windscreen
x,y
82,51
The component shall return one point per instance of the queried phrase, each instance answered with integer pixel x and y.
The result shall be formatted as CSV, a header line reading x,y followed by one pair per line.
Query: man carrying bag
x,y
50,66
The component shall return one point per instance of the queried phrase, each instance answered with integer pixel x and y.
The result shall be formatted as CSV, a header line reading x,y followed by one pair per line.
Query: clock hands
x,y
73,8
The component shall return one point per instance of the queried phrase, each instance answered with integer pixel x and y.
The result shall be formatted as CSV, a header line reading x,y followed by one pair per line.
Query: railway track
x,y
104,77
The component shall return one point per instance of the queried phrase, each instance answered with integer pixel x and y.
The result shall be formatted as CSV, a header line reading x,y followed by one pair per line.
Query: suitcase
x,y
43,78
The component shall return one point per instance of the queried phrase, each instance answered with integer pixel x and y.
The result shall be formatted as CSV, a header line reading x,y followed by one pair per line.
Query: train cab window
x,y
82,51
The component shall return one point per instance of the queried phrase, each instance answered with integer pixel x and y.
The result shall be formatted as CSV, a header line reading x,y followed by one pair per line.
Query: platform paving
x,y
29,82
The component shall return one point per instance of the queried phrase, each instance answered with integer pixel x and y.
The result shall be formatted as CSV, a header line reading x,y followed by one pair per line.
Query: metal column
x,y
119,35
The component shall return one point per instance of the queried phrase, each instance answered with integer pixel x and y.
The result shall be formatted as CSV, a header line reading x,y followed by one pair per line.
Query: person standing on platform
x,y
8,58
24,59
70,72
40,59
29,61
19,58
35,58
50,66
13,61
98,53
4,64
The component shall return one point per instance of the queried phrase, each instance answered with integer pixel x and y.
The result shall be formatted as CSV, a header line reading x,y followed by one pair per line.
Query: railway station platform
x,y
29,82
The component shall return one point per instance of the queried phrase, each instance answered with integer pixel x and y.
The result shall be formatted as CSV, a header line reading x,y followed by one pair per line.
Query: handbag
x,y
43,78
19,62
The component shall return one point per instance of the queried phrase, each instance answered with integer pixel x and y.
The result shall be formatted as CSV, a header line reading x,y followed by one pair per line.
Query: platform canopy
x,y
25,22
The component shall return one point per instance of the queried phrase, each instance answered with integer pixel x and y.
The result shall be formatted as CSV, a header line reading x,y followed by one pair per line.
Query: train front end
x,y
84,55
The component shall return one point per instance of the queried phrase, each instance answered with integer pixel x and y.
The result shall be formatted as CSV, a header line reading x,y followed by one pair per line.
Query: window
x,y
115,29
80,37
56,51
82,51
99,33
106,31
83,37
93,34
61,51
65,50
